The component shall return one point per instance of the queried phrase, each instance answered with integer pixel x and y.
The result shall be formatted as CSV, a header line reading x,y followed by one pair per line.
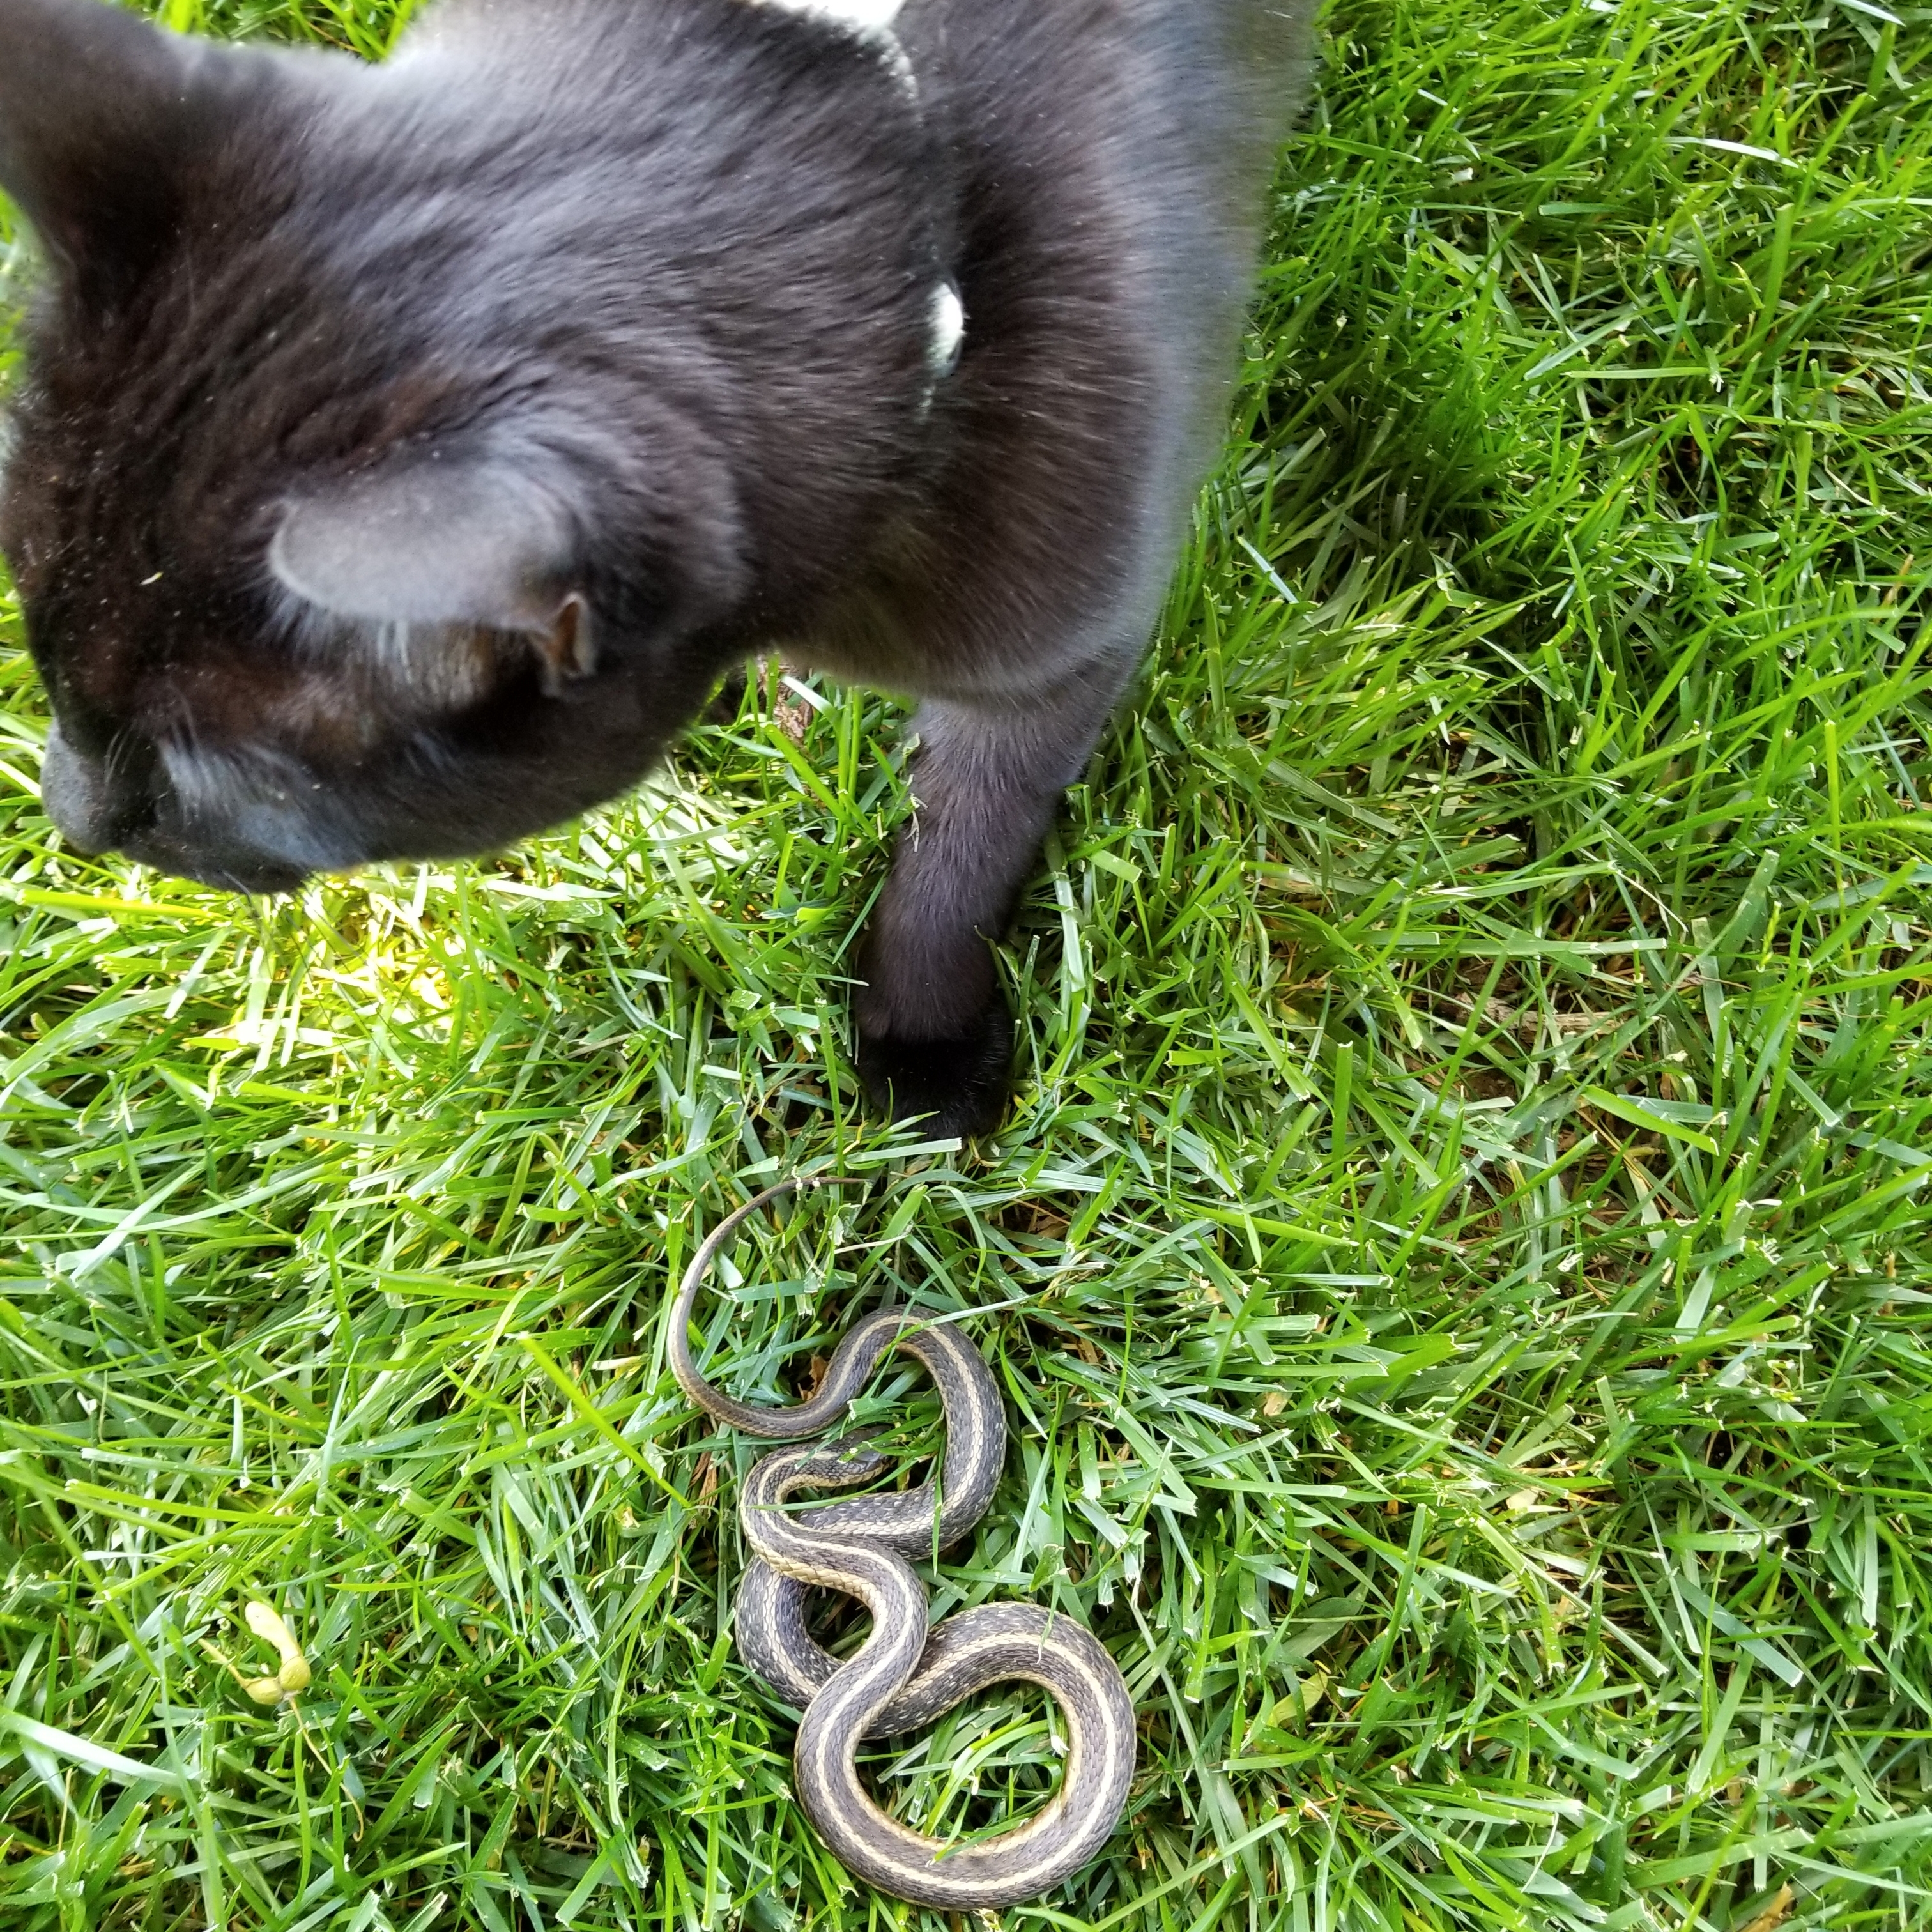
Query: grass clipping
x,y
293,1676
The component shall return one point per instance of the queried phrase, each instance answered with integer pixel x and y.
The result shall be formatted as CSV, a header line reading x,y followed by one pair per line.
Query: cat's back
x,y
1116,151
1217,81
1165,87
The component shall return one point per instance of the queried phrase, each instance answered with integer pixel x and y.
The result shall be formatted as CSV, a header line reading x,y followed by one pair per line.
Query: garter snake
x,y
905,1674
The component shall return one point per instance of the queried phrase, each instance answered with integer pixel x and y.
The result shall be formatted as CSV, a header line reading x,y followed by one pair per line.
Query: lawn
x,y
1459,1265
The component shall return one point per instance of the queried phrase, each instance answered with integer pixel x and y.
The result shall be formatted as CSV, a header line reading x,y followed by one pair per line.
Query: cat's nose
x,y
111,805
99,803
75,796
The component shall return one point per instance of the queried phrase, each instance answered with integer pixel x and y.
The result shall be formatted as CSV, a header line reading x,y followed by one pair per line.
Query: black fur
x,y
406,453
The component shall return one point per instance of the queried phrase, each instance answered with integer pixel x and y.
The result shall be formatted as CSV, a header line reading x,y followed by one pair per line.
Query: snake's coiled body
x,y
906,1675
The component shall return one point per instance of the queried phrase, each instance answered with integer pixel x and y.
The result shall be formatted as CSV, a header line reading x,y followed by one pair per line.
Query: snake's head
x,y
842,1465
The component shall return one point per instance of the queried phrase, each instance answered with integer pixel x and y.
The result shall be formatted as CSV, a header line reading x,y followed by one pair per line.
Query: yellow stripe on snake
x,y
905,1676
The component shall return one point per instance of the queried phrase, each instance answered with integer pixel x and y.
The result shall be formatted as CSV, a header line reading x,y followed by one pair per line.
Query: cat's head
x,y
312,567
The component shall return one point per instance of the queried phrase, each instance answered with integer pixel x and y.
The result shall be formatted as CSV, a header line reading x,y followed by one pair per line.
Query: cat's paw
x,y
959,1085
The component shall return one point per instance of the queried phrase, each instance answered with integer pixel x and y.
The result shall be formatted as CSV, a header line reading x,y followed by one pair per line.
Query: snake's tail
x,y
684,1366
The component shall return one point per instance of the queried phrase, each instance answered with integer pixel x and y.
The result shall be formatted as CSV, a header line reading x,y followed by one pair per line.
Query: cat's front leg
x,y
935,1038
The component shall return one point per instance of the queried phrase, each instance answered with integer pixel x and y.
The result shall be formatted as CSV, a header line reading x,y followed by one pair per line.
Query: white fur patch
x,y
865,17
868,20
949,329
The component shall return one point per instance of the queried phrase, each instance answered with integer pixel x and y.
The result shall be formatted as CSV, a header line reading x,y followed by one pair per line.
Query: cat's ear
x,y
453,542
98,109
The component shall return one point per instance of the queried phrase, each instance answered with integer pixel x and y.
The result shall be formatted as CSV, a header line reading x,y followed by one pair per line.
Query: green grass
x,y
1460,1263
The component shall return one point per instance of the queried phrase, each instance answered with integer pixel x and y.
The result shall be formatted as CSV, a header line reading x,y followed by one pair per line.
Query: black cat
x,y
405,452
